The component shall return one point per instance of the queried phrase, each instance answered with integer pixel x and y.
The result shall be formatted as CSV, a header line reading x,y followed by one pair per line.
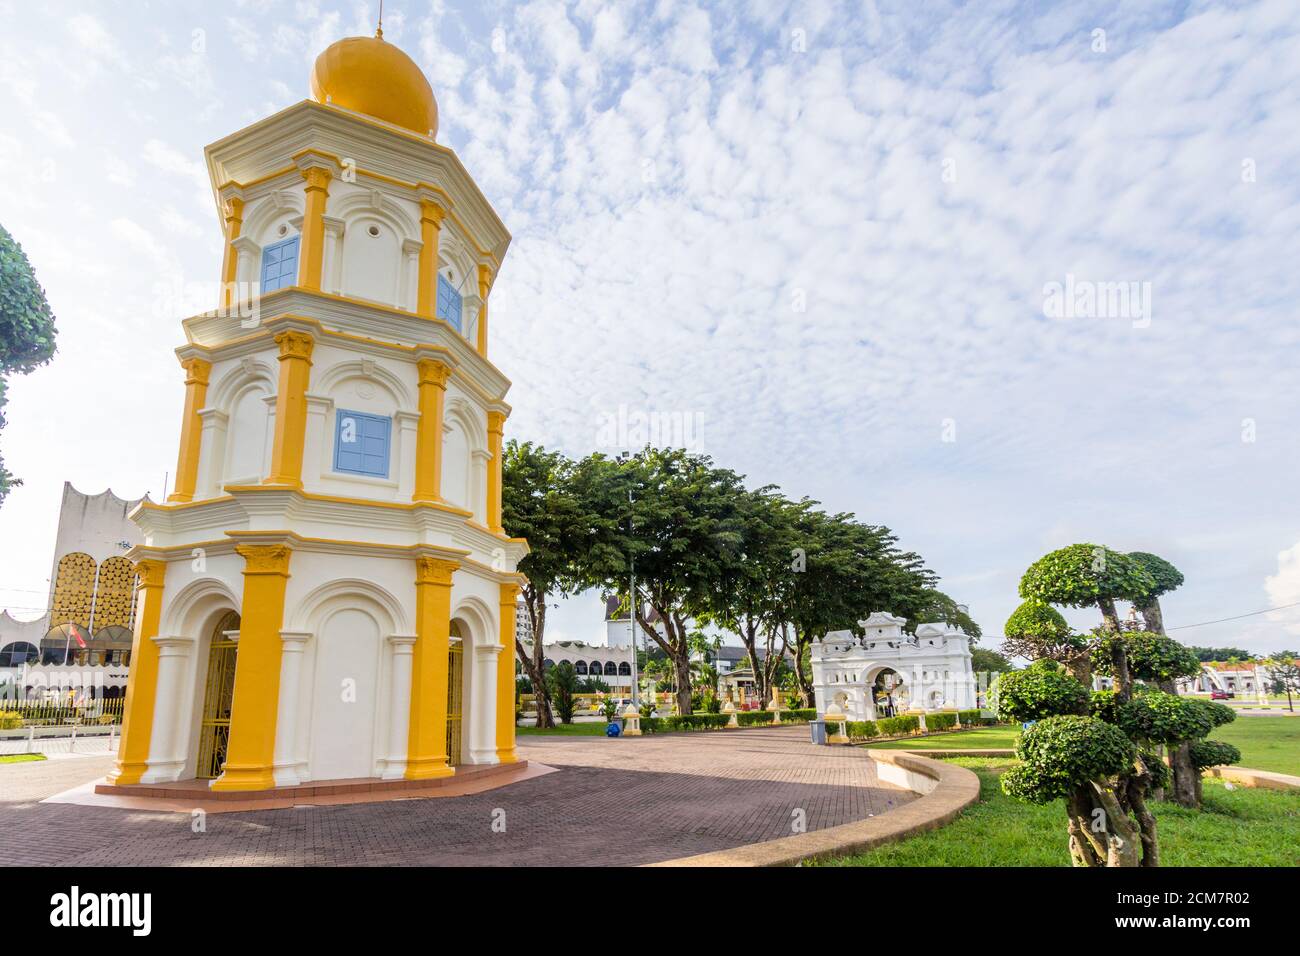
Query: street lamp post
x,y
631,605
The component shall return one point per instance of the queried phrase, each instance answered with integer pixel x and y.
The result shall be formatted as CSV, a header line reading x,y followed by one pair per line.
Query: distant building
x,y
82,644
610,662
888,671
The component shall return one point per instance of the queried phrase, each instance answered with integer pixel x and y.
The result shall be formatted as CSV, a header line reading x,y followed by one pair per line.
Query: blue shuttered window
x,y
280,265
448,302
361,443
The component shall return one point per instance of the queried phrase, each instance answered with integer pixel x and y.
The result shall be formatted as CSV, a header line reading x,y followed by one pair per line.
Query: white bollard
x,y
31,739
73,745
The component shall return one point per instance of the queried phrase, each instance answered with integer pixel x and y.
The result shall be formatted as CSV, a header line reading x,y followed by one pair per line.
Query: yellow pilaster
x,y
313,227
250,754
484,287
428,439
291,408
506,676
187,461
427,734
234,215
496,429
431,216
142,678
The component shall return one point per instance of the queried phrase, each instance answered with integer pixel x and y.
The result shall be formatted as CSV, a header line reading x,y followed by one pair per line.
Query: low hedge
x,y
747,718
800,715
863,729
940,721
663,725
906,724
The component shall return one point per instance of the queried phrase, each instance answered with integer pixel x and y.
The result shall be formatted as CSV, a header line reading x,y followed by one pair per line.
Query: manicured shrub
x,y
941,721
1213,753
1062,752
862,729
801,715
892,726
1043,689
751,717
1163,718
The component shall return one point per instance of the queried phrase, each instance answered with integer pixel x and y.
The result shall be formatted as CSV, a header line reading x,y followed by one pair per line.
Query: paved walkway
x,y
613,802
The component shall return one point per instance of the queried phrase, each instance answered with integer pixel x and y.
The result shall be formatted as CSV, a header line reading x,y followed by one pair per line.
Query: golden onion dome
x,y
371,76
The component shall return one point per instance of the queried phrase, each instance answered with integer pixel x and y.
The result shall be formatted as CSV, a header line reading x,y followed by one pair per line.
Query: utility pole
x,y
631,605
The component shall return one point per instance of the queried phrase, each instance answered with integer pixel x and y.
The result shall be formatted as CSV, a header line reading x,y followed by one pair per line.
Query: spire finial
x,y
379,30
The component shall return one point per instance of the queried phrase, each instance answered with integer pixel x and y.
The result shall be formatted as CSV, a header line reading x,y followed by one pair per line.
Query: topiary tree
x,y
1086,761
1037,630
1162,662
1079,751
1043,689
1166,578
26,326
1084,575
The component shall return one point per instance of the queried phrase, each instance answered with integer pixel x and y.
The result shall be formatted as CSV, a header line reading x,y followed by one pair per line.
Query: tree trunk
x,y
532,657
1152,618
801,643
675,645
749,637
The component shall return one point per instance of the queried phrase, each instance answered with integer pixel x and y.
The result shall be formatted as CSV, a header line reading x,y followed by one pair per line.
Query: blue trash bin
x,y
613,729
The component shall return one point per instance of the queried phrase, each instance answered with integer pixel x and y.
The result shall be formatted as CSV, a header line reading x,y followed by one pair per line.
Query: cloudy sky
x,y
822,242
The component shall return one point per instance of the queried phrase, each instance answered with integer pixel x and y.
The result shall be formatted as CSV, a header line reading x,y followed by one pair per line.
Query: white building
x,y
888,671
329,592
610,662
82,644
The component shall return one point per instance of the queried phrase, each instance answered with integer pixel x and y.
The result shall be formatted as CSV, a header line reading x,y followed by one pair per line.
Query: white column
x,y
248,263
407,429
331,273
401,649
212,452
292,645
165,764
408,275
316,447
483,711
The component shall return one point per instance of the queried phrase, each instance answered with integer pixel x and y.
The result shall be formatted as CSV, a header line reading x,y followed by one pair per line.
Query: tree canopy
x,y
26,327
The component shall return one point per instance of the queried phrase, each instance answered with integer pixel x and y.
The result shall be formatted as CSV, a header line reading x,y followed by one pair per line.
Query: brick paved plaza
x,y
610,802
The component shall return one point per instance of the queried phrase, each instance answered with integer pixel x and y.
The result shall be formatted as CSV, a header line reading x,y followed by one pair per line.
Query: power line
x,y
1236,617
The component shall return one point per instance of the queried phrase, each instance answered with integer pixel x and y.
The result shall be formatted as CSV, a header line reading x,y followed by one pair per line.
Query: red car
x,y
1221,694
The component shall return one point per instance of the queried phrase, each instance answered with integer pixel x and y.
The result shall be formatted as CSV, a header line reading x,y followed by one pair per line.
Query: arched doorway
x,y
346,695
218,698
456,695
888,694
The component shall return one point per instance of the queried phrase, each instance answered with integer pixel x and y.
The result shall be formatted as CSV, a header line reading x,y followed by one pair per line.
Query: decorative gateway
x,y
329,594
888,671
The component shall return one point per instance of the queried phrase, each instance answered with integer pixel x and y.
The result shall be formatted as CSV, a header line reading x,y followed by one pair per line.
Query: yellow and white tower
x,y
328,593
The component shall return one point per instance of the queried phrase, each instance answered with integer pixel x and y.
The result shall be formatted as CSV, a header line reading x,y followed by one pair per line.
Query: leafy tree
x,y
1085,575
539,502
1284,671
26,327
1206,654
1166,578
1036,630
683,528
985,661
1083,757
1082,575
1161,661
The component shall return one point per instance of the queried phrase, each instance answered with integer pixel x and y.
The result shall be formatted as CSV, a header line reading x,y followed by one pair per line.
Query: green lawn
x,y
983,738
1238,827
1266,743
20,758
591,728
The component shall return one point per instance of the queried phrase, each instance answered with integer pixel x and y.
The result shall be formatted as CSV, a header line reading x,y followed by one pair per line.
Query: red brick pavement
x,y
614,802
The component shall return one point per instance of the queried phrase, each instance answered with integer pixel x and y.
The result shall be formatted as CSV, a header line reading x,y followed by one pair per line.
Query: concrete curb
x,y
1262,779
1246,776
945,790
